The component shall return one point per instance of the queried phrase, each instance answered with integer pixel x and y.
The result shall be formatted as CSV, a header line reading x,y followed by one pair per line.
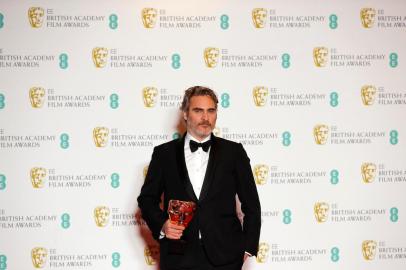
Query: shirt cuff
x,y
161,234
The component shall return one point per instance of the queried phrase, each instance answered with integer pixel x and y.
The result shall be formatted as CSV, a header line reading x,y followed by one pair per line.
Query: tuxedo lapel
x,y
182,169
208,177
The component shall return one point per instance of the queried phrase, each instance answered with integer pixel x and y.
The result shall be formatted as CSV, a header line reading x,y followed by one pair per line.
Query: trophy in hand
x,y
180,213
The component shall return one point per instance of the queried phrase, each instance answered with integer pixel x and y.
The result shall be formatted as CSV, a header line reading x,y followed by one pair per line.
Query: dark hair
x,y
197,91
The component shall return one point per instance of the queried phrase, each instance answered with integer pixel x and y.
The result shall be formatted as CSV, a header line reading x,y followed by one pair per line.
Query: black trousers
x,y
202,263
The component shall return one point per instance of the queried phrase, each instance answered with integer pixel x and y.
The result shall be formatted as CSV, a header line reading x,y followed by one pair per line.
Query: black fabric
x,y
228,175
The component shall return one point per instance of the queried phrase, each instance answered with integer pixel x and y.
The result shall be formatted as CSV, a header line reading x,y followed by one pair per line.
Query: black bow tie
x,y
195,145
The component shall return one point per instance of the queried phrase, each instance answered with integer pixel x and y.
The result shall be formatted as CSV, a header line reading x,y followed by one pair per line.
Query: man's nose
x,y
205,115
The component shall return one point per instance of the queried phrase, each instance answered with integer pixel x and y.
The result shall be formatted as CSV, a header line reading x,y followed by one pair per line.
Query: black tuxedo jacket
x,y
228,174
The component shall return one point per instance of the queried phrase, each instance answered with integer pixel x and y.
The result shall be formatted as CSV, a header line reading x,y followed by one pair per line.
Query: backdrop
x,y
314,90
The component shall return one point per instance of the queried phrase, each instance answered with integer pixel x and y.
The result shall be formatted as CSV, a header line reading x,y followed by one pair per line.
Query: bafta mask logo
x,y
101,216
149,95
217,132
368,171
145,171
38,175
260,94
149,16
99,55
151,254
211,56
320,133
100,136
37,95
39,257
367,17
368,93
369,249
36,16
262,255
259,17
320,56
261,172
321,211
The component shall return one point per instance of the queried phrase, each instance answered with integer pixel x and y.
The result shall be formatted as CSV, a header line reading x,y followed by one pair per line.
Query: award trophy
x,y
180,213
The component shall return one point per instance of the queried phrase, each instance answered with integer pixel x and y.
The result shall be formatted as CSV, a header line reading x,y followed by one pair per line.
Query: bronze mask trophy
x,y
180,213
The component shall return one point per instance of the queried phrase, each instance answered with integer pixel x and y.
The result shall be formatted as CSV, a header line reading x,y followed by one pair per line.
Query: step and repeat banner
x,y
314,90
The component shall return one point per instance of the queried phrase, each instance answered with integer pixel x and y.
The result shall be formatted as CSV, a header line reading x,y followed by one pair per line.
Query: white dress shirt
x,y
196,163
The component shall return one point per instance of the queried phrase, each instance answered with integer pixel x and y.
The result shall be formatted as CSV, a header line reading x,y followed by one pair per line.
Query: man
x,y
211,175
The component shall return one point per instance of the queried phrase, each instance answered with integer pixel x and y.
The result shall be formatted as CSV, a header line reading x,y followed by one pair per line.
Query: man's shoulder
x,y
168,145
227,143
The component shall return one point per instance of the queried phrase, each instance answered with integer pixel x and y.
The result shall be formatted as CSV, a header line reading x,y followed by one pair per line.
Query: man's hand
x,y
246,256
172,231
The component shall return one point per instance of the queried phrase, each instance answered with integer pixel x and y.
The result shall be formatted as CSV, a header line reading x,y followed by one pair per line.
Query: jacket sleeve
x,y
150,196
250,204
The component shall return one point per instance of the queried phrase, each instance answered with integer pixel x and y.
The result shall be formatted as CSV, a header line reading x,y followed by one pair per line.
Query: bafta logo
x,y
368,93
100,136
149,16
367,17
260,95
145,171
263,250
259,17
99,55
211,56
217,132
151,254
38,175
369,249
261,172
320,56
37,95
101,216
321,211
368,171
36,16
39,257
149,95
320,133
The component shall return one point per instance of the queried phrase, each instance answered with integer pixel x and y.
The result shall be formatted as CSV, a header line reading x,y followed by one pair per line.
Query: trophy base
x,y
177,247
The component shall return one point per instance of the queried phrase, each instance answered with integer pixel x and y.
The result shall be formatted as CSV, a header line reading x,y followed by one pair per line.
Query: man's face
x,y
211,55
201,116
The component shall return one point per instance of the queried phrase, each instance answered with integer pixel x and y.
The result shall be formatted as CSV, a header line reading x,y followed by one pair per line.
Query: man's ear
x,y
185,116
